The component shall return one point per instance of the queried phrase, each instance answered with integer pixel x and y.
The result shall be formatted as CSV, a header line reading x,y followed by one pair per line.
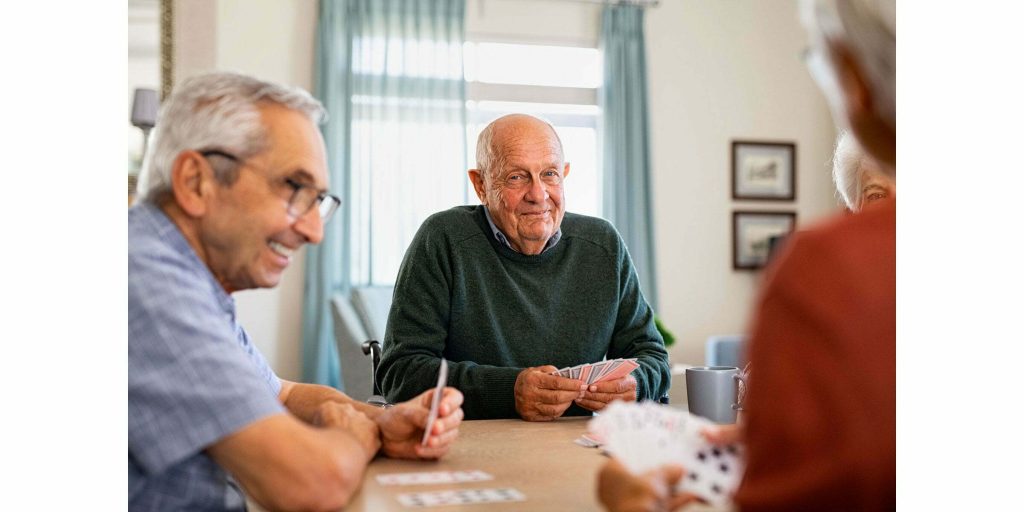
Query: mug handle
x,y
741,389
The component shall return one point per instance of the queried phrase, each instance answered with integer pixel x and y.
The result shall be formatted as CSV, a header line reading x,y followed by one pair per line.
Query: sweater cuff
x,y
499,395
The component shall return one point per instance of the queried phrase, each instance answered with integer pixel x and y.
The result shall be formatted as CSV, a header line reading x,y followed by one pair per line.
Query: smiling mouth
x,y
281,249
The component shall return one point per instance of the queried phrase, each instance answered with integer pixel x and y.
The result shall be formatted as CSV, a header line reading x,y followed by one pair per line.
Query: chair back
x,y
724,350
349,336
373,304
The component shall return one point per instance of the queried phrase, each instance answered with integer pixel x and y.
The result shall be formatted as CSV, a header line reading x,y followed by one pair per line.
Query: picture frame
x,y
755,234
764,171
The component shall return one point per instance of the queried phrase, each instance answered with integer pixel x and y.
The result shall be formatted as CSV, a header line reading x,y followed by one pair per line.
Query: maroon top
x,y
821,405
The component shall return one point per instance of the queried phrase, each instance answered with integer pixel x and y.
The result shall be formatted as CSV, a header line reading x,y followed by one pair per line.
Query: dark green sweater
x,y
491,312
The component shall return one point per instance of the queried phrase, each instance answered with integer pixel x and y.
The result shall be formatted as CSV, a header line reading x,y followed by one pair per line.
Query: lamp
x,y
144,108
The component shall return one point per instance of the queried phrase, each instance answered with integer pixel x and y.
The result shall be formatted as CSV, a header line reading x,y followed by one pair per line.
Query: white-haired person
x,y
819,424
236,182
860,180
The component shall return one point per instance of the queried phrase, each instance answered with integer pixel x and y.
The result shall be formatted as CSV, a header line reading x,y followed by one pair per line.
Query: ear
x,y
565,171
477,177
191,183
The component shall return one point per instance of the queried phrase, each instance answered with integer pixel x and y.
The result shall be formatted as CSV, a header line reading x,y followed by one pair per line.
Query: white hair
x,y
217,110
846,169
868,29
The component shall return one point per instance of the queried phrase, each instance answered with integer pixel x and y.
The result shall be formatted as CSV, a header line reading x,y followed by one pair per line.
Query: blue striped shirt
x,y
194,377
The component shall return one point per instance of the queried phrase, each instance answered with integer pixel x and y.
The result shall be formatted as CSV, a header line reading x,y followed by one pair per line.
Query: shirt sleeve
x,y
193,376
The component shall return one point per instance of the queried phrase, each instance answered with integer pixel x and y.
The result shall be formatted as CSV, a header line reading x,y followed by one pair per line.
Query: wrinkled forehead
x,y
529,146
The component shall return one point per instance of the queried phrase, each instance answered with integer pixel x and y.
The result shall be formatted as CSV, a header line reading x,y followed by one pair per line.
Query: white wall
x,y
718,70
722,70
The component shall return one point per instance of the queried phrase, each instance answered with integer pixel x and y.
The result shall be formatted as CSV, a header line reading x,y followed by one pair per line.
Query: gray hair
x,y
217,110
868,29
489,158
846,169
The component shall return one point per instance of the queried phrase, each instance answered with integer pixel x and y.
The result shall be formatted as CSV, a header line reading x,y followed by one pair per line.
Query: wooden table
x,y
538,459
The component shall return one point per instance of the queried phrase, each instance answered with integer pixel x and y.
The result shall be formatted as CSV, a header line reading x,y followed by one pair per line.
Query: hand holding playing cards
x,y
723,434
600,394
621,491
401,426
541,396
345,417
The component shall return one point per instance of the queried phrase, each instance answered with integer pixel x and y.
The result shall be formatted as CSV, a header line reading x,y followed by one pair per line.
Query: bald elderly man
x,y
512,289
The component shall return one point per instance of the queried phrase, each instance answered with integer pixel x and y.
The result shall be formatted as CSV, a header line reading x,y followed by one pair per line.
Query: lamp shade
x,y
144,108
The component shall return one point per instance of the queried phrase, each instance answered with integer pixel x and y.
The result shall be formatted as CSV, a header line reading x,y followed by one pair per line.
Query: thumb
x,y
672,473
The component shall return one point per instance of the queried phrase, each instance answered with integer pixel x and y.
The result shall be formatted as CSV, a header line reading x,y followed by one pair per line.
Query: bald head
x,y
496,136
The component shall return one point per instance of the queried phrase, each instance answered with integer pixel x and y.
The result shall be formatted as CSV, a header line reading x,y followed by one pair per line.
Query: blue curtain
x,y
625,135
390,74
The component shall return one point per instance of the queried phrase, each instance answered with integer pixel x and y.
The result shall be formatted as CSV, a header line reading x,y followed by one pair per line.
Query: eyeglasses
x,y
304,197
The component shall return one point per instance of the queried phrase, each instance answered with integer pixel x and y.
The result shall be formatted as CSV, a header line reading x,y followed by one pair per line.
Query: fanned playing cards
x,y
644,436
599,372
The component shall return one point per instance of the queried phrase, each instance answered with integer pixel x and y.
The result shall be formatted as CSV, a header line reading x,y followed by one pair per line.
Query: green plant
x,y
665,333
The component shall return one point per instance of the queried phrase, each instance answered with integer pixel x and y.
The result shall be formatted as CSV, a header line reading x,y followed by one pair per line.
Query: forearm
x,y
286,465
302,400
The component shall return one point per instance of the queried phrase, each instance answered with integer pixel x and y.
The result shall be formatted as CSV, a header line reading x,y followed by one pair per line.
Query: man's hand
x,y
401,426
345,417
600,394
621,491
544,397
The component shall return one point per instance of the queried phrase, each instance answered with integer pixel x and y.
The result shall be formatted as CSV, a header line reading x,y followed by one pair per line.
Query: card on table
x,y
464,497
433,477
442,379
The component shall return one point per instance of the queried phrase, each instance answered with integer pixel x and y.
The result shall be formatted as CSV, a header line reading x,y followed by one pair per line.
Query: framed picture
x,y
755,235
763,170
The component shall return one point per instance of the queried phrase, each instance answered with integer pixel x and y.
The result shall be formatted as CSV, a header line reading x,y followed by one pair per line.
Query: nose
x,y
310,226
538,192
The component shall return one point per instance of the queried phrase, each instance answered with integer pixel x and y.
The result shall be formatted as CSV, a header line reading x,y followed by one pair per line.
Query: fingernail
x,y
593,389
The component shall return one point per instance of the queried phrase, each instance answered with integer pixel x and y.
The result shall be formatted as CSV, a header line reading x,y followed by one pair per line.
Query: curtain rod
x,y
641,3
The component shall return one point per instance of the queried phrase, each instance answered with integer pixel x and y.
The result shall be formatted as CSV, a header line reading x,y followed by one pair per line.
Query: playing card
x,y
585,372
620,370
433,477
599,369
463,497
442,379
644,436
712,472
574,372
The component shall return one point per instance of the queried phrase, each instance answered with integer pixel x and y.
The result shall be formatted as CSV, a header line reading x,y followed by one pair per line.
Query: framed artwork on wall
x,y
755,234
763,171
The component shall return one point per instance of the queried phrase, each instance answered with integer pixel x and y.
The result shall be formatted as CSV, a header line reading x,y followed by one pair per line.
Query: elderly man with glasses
x,y
235,184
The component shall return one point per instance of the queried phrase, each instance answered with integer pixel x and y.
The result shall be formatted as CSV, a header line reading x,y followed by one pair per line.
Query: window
x,y
556,83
